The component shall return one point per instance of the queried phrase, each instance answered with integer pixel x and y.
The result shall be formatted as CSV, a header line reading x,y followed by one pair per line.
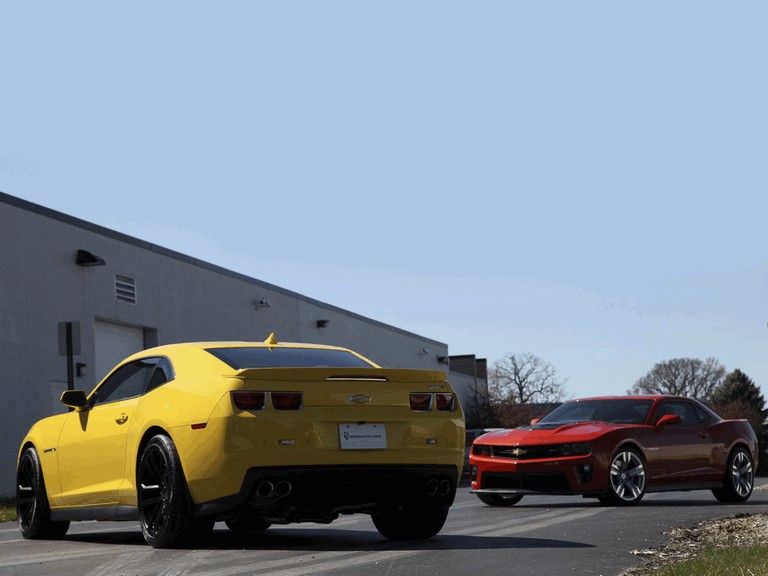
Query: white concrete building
x,y
125,295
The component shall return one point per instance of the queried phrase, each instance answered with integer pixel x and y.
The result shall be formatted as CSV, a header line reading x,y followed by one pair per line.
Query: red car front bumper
x,y
567,475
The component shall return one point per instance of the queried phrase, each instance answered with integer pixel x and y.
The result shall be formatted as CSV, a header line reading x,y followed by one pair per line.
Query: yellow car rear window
x,y
240,358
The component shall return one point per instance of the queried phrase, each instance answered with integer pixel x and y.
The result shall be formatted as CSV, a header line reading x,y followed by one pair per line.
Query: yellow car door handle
x,y
122,418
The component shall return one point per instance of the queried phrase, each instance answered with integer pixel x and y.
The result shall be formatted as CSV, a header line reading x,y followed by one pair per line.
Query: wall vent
x,y
125,289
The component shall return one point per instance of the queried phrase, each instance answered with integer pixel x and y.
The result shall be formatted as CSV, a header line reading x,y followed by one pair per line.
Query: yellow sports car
x,y
184,435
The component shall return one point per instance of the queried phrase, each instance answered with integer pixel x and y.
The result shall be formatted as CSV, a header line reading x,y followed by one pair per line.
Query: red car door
x,y
685,448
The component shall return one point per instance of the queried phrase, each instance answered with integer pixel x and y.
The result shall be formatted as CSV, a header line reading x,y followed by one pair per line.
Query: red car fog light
x,y
420,401
287,400
444,402
249,400
585,472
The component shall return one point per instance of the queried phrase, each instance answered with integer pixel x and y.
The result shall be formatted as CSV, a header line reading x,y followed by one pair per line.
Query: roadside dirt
x,y
738,530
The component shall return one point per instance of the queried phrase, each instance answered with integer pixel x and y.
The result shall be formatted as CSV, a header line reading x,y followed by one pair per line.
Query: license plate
x,y
363,436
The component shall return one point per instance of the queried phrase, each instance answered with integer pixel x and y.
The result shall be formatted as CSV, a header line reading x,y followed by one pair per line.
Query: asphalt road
x,y
549,536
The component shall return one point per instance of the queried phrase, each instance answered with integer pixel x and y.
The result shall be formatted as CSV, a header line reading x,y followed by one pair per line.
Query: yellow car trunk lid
x,y
347,386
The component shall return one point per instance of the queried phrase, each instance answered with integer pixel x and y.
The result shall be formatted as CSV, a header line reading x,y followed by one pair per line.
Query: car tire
x,y
626,478
32,508
739,477
410,522
247,524
498,500
165,507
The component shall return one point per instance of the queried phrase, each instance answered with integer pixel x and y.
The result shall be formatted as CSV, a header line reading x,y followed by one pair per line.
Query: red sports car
x,y
616,449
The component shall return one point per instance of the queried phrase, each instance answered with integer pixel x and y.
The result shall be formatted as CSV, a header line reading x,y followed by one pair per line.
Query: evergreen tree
x,y
738,386
739,397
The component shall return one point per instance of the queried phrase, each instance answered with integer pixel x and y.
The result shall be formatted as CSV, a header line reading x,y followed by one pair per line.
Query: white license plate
x,y
363,436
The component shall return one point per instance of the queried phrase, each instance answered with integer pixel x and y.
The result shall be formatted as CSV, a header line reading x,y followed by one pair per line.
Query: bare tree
x,y
480,412
682,377
521,387
524,379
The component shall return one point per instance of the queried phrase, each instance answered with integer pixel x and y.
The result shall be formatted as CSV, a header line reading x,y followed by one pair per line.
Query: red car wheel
x,y
500,499
739,478
626,478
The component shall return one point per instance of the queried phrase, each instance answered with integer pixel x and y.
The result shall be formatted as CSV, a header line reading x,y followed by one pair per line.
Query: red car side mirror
x,y
669,420
534,421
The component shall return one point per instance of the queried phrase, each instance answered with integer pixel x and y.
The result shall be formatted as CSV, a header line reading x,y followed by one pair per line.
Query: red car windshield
x,y
615,411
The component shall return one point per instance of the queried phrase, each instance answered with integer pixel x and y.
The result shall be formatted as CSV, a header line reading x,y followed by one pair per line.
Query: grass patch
x,y
735,561
7,509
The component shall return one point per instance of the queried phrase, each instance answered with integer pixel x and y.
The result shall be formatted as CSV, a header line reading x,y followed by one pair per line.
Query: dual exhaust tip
x,y
268,489
281,489
437,487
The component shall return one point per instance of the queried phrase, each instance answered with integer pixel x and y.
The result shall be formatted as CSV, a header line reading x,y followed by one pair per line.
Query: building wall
x,y
178,299
469,376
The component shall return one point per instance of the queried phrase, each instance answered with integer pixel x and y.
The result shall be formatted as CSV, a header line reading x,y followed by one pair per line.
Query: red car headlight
x,y
482,450
577,449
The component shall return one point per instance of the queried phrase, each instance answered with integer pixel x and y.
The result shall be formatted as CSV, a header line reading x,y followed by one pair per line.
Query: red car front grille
x,y
526,452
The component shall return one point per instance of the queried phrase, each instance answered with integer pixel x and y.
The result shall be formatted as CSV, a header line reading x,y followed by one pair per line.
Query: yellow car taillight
x,y
424,401
444,402
287,400
420,401
249,400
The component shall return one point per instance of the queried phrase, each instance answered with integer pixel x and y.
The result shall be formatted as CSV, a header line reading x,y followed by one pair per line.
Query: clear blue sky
x,y
585,181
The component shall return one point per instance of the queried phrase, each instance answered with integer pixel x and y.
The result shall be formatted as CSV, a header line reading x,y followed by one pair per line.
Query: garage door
x,y
113,343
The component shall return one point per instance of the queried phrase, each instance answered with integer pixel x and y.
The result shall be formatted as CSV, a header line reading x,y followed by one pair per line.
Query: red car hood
x,y
547,434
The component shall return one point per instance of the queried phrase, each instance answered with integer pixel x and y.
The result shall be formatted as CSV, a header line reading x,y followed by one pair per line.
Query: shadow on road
x,y
647,502
336,540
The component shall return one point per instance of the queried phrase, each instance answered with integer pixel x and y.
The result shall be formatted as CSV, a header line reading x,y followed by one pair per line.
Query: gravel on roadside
x,y
685,543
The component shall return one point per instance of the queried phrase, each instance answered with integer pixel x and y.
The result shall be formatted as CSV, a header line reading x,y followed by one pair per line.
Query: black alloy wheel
x,y
32,509
165,508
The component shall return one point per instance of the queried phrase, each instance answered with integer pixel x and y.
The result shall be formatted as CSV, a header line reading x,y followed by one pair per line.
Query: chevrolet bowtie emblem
x,y
518,451
359,398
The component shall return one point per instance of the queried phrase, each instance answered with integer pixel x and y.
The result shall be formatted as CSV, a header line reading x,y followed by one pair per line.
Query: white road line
x,y
375,557
259,565
183,565
524,524
342,521
576,515
466,504
208,562
311,563
339,560
31,557
120,530
117,564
